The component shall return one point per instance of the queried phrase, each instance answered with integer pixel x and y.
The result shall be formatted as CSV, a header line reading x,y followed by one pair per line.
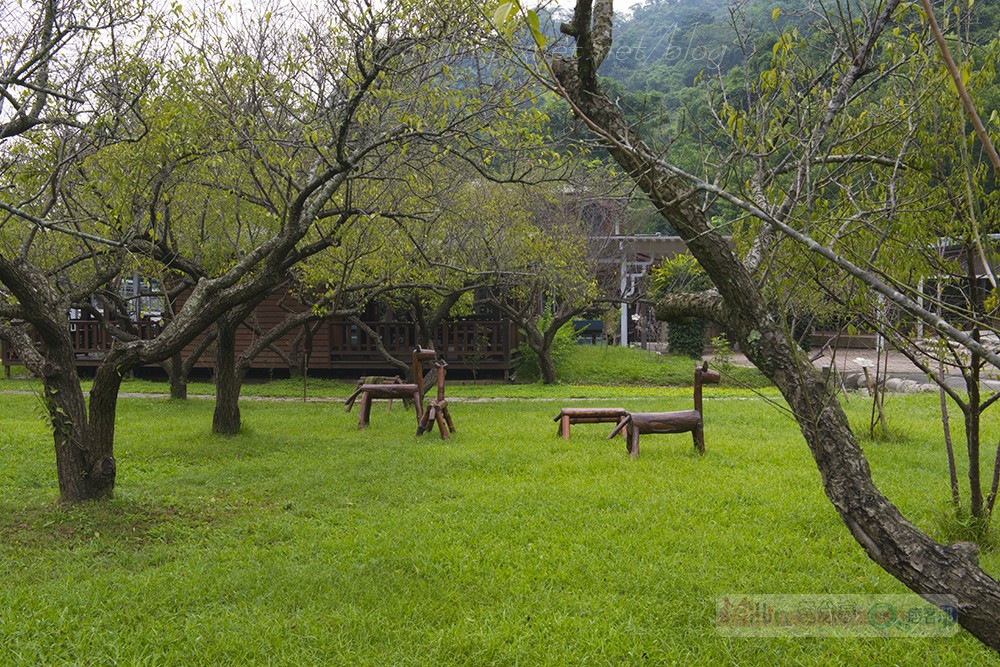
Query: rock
x,y
894,384
853,381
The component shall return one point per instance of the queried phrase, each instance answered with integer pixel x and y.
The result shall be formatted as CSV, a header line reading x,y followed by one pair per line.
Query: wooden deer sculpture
x,y
436,411
637,423
412,391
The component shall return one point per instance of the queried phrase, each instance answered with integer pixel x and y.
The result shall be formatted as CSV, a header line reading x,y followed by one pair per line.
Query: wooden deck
x,y
467,345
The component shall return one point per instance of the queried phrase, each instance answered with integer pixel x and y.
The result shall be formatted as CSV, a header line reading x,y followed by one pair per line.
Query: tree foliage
x,y
837,148
231,148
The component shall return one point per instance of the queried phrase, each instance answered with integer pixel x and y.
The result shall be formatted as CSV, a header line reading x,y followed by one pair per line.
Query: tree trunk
x,y
546,365
75,455
974,414
228,383
541,345
103,409
972,423
956,495
296,359
177,376
84,441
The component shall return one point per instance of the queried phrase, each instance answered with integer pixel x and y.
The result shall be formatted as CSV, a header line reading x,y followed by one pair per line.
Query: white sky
x,y
620,5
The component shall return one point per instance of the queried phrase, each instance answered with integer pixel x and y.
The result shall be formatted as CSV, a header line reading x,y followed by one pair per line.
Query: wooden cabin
x,y
482,346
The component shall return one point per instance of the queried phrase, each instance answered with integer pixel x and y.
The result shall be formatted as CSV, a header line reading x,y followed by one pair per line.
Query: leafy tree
x,y
72,73
298,104
902,186
791,179
543,266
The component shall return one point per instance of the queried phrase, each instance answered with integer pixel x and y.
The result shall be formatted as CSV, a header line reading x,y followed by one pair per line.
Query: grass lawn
x,y
619,366
306,542
591,371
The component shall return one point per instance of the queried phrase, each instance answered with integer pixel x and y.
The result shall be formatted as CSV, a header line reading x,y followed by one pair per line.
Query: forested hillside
x,y
671,60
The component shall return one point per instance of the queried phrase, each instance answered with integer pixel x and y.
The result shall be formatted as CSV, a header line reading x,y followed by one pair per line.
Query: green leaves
x,y
504,14
505,17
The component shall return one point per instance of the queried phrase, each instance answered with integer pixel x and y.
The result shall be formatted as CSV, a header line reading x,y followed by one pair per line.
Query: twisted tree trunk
x,y
83,438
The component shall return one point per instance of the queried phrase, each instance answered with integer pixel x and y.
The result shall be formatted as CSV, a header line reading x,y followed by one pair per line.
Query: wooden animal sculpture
x,y
638,423
412,391
436,411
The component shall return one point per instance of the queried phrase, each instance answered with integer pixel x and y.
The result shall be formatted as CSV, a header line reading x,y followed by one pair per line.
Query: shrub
x,y
682,273
688,338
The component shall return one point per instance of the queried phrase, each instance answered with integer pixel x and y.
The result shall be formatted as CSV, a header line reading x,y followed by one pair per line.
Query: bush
x,y
682,273
688,338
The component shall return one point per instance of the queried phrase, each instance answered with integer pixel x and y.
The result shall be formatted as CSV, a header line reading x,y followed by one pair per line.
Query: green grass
x,y
590,371
305,542
588,364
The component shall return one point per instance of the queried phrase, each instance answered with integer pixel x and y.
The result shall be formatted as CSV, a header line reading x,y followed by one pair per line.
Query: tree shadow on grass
x,y
118,523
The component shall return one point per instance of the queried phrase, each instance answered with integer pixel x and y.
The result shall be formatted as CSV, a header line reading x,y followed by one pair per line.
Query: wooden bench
x,y
380,379
569,416
684,421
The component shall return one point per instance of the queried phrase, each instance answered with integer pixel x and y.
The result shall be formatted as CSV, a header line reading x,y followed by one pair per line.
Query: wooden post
x,y
366,403
441,366
633,441
437,409
439,418
421,355
701,376
698,434
447,418
418,401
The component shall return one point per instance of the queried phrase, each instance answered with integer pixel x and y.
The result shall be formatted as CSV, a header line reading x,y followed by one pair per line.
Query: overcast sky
x,y
620,5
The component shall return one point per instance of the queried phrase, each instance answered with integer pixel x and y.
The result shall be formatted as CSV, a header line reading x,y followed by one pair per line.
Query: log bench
x,y
370,392
684,421
569,416
380,379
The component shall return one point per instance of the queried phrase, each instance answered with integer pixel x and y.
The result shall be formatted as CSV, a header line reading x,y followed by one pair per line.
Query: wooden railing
x,y
465,343
91,341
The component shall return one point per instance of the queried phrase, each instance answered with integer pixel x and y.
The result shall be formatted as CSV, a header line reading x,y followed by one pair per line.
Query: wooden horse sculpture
x,y
412,391
437,408
637,423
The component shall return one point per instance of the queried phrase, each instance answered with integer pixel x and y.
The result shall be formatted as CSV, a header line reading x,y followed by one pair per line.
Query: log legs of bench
x,y
569,416
388,391
632,440
565,421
